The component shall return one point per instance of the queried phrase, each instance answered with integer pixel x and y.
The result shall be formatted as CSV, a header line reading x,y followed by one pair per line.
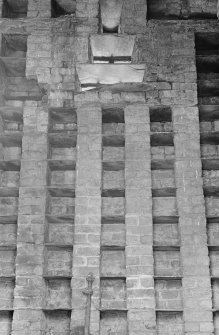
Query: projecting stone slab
x,y
110,73
111,13
112,46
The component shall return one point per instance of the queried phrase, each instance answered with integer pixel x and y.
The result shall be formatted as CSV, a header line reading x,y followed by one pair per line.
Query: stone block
x,y
58,294
8,234
166,234
113,294
112,154
57,322
5,322
113,263
163,179
213,233
60,233
168,294
164,206
61,205
167,263
7,293
58,262
113,206
113,180
113,234
115,322
7,263
170,323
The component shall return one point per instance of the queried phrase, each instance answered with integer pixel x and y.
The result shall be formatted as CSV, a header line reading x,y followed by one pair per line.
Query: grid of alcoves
x,y
60,219
113,238
11,129
62,7
166,237
207,60
14,9
180,9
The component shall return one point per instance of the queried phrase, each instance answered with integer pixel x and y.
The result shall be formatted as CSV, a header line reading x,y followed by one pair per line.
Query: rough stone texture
x,y
170,323
29,288
196,286
86,254
38,178
168,294
139,230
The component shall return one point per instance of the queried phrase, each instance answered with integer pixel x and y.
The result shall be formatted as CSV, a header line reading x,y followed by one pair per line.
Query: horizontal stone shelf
x,y
113,193
56,309
113,141
5,278
113,310
164,192
169,310
62,115
211,191
211,138
210,164
113,166
165,219
159,127
9,219
12,165
113,277
208,112
113,129
206,43
52,246
8,247
12,139
166,247
23,97
209,100
112,247
9,192
208,76
113,115
11,113
162,164
59,219
167,278
213,219
65,140
208,87
213,247
160,114
49,277
112,219
14,67
162,139
61,165
61,192
207,63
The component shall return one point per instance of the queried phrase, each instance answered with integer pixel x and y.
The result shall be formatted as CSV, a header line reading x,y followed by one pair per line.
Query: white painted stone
x,y
110,73
111,45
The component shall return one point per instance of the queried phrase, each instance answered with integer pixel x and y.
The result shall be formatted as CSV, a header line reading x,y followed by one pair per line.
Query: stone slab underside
x,y
110,74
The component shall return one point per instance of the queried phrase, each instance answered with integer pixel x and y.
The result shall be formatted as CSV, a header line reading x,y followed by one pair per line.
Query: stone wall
x,y
120,180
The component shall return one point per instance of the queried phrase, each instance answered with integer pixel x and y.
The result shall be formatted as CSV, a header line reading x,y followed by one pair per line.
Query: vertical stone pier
x,y
86,253
196,283
139,223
